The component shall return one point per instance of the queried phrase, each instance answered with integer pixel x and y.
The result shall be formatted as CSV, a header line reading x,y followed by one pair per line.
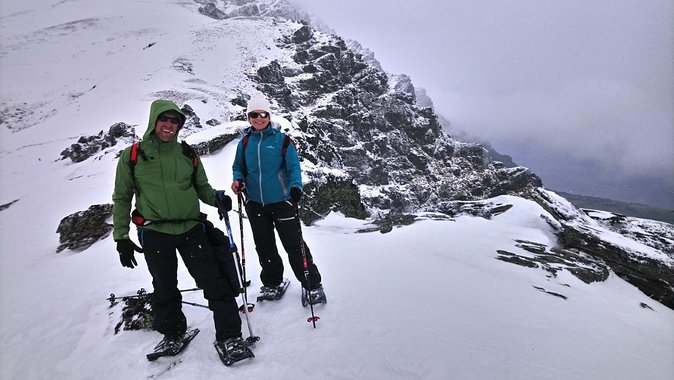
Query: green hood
x,y
157,107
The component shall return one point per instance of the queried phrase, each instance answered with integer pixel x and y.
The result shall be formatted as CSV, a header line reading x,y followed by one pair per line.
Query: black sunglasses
x,y
254,115
172,119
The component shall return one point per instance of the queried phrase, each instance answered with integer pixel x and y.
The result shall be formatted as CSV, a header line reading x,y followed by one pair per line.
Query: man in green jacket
x,y
168,190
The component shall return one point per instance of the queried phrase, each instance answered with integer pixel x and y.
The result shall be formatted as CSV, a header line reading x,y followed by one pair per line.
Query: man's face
x,y
167,125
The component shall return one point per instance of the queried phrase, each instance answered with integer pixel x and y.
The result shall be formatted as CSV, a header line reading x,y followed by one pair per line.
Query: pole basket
x,y
250,307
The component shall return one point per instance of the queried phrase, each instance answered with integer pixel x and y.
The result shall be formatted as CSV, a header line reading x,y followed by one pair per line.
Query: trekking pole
x,y
305,263
251,337
232,248
243,249
194,304
142,293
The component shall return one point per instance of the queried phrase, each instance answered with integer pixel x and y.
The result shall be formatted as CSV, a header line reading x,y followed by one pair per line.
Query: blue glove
x,y
224,203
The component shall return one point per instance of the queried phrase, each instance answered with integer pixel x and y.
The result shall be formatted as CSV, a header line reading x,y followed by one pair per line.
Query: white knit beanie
x,y
258,102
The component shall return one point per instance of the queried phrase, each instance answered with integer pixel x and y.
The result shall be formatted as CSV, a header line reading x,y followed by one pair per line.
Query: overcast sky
x,y
581,91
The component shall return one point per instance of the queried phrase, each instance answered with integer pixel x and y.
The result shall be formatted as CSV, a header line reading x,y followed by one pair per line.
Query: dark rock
x,y
214,145
302,34
652,277
80,230
212,11
551,293
7,205
515,259
136,315
272,73
577,233
193,121
87,146
332,194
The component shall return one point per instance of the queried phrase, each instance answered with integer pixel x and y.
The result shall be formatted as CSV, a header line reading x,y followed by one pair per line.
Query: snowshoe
x,y
232,350
273,293
172,345
313,296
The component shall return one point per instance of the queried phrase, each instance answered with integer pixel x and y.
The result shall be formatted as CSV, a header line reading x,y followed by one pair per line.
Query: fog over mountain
x,y
581,92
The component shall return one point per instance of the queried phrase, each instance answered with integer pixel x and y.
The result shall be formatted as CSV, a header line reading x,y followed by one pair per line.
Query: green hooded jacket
x,y
163,183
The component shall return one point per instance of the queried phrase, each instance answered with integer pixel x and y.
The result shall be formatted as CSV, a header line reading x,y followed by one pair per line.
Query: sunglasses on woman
x,y
255,115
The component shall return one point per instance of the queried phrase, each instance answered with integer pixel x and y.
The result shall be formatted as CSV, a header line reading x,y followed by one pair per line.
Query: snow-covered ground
x,y
425,301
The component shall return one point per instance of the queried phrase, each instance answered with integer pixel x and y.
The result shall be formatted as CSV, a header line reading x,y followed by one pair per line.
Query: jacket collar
x,y
272,129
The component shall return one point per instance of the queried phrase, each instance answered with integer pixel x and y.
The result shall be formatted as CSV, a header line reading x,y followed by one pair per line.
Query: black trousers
x,y
197,254
282,216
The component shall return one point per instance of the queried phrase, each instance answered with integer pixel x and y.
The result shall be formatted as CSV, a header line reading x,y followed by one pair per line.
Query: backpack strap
x,y
192,155
133,159
244,144
284,148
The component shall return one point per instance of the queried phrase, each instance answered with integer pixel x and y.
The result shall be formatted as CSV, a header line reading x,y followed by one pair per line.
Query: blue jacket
x,y
266,177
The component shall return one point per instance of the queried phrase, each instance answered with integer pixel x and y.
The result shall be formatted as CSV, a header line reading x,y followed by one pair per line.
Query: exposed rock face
x,y
223,9
583,266
649,266
214,145
86,147
80,230
371,130
334,195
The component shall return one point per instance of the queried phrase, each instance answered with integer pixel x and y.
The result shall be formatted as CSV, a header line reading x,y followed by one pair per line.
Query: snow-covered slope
x,y
425,301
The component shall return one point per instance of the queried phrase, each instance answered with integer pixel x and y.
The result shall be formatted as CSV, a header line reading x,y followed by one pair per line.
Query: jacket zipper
x,y
259,166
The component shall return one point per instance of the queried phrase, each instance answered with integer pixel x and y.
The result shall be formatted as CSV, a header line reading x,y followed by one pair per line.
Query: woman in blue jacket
x,y
267,170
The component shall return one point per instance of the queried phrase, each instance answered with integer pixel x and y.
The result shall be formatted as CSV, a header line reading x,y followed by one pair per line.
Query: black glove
x,y
295,195
232,249
125,247
224,203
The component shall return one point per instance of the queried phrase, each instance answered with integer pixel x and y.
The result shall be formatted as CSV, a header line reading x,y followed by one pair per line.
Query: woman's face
x,y
258,119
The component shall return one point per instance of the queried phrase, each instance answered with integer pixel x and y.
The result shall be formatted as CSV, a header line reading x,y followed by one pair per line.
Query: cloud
x,y
587,80
625,129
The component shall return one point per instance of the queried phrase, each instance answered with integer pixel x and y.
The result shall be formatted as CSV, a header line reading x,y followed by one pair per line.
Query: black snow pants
x,y
197,254
282,216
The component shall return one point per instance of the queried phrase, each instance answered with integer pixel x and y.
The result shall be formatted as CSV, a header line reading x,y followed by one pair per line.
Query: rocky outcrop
x,y
223,9
335,194
80,230
88,146
215,144
641,260
552,260
356,120
7,205
136,313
